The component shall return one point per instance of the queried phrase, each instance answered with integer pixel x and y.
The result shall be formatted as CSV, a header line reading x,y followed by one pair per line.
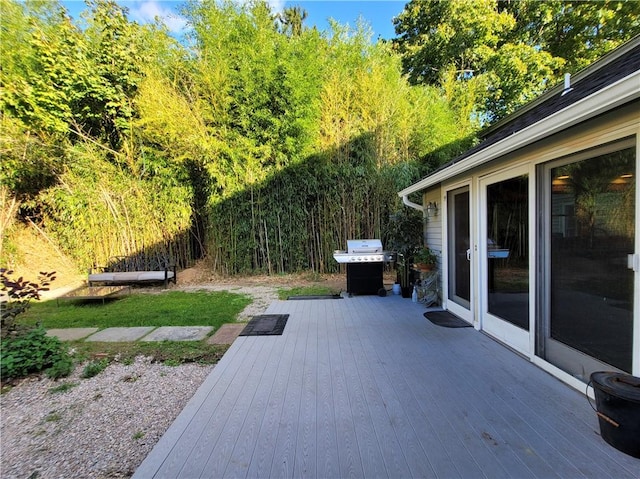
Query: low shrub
x,y
32,351
16,297
94,368
27,349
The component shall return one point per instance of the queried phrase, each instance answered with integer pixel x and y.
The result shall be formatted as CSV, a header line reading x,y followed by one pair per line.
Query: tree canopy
x,y
259,143
507,52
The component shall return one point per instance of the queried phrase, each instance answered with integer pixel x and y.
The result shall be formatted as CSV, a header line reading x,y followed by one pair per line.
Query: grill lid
x,y
364,246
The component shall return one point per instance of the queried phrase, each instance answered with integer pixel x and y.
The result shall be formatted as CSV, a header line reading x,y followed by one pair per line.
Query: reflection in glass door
x,y
459,287
507,271
505,258
590,227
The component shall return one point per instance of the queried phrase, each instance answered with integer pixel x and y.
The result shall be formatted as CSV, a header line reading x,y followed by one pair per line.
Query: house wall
x,y
433,221
622,123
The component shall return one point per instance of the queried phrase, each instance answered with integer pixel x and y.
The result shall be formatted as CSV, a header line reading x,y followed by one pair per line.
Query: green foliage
x,y
98,210
405,232
425,255
264,145
25,350
504,53
17,295
62,388
32,351
577,31
93,368
405,236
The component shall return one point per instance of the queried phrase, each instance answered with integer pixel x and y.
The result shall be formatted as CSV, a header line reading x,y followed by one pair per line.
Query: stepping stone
x,y
227,333
179,333
120,334
71,334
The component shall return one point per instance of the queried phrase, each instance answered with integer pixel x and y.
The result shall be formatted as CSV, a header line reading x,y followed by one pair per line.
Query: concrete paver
x,y
71,334
121,334
178,333
227,333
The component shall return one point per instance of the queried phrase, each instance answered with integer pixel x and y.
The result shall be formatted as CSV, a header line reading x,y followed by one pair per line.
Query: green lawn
x,y
173,308
284,293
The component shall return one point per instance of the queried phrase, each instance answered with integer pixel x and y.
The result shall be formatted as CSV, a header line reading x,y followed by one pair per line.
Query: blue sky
x,y
377,13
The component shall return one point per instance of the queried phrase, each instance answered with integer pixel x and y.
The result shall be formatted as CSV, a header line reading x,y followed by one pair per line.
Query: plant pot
x,y
406,291
618,408
424,267
396,288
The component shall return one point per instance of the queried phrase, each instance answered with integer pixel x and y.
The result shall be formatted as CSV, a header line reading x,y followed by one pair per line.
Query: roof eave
x,y
608,98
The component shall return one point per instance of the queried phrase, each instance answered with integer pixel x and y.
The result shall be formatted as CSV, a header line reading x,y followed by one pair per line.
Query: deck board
x,y
366,387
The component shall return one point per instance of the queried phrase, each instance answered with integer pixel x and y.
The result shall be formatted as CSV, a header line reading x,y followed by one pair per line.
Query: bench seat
x,y
133,277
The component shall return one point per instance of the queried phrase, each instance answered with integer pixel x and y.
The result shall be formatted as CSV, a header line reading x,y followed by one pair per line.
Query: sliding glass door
x,y
505,258
459,253
588,299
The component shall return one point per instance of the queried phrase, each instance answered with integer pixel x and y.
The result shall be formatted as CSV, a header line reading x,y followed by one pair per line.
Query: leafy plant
x,y
404,235
17,295
32,351
94,368
28,350
62,388
425,255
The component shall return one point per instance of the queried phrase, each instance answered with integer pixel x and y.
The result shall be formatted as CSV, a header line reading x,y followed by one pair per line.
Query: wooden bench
x,y
123,273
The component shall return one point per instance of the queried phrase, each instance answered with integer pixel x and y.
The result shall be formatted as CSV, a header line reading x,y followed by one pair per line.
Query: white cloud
x,y
147,11
276,5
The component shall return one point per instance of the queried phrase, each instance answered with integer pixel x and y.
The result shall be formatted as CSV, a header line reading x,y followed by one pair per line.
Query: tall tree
x,y
510,51
579,32
291,20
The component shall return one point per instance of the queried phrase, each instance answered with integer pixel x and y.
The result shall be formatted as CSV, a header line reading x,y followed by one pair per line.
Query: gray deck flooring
x,y
367,387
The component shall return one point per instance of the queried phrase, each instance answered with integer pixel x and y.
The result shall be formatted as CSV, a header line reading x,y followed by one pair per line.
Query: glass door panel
x,y
507,272
590,289
504,256
459,252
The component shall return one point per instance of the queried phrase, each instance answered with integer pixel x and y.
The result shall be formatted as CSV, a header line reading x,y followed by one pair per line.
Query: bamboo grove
x,y
254,141
259,146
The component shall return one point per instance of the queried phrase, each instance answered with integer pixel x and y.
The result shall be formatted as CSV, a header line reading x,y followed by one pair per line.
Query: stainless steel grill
x,y
365,263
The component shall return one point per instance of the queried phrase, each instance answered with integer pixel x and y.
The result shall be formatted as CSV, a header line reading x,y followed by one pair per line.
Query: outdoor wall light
x,y
432,208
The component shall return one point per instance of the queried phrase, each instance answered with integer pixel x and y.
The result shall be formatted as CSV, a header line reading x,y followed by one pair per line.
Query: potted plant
x,y
404,235
425,259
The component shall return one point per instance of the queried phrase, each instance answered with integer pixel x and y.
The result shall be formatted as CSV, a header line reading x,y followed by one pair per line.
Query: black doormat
x,y
314,296
265,325
446,319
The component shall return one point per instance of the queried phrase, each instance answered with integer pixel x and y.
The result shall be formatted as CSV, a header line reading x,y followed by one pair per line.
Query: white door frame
x,y
519,339
457,309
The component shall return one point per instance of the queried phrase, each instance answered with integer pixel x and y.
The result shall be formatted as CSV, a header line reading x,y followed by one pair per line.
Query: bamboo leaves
x,y
263,147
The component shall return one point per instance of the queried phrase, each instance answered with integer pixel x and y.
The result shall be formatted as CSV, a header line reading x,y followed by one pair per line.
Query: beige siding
x,y
433,224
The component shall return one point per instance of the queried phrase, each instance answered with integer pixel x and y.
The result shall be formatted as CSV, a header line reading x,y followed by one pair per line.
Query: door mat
x,y
265,325
314,296
446,319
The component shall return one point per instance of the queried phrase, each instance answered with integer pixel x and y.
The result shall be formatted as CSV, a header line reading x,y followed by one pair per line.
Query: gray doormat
x,y
315,296
446,319
265,325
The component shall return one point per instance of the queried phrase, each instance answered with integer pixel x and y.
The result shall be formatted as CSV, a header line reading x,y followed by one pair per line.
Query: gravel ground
x,y
103,427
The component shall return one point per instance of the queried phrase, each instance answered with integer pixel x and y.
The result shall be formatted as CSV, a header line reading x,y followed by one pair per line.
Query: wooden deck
x,y
367,387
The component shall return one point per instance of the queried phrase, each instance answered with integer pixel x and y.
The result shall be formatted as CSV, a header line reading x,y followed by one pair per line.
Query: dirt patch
x,y
30,251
